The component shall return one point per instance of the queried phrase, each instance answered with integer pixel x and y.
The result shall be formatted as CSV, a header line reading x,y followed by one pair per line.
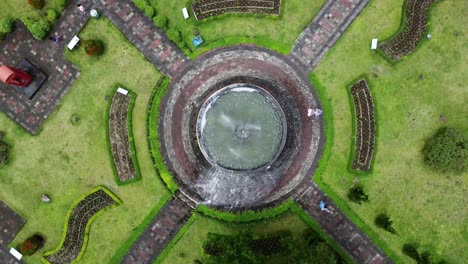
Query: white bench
x,y
122,91
73,42
374,44
16,254
185,12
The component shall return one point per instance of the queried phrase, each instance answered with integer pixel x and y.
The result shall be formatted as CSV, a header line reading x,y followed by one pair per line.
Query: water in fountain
x,y
241,127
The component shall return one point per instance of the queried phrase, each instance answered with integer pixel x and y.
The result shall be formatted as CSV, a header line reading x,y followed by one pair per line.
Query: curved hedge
x,y
153,134
77,225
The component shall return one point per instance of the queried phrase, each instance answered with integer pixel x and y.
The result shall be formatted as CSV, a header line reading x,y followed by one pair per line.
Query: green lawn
x,y
295,16
67,161
426,207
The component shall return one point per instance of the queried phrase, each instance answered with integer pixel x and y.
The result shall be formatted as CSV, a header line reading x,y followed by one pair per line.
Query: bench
x,y
73,43
185,12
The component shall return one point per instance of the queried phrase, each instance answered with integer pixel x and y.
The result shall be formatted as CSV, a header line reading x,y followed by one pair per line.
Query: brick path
x,y
322,33
341,228
159,233
143,34
10,225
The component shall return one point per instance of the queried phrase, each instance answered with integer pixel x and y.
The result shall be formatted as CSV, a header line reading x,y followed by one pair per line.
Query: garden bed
x,y
365,126
207,8
77,226
121,137
412,29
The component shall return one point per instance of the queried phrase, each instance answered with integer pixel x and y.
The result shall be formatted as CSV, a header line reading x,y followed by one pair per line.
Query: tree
x,y
383,221
160,21
356,194
93,47
447,151
30,245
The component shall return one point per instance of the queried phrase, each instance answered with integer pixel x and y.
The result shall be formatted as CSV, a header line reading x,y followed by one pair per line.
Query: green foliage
x,y
150,11
160,21
36,4
30,245
411,251
153,135
246,216
383,221
174,35
6,25
51,15
93,47
4,150
61,3
39,28
356,194
447,151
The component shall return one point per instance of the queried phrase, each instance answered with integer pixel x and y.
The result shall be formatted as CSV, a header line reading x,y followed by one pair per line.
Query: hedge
x,y
152,132
131,140
88,225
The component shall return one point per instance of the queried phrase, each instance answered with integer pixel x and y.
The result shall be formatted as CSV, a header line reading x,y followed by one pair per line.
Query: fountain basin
x,y
241,127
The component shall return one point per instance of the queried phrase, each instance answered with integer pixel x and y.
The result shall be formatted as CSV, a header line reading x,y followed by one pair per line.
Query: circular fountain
x,y
241,127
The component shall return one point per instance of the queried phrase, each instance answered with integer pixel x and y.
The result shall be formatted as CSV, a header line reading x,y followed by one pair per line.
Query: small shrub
x,y
93,47
4,150
160,21
39,28
51,15
383,221
29,246
411,251
75,119
447,151
150,11
36,4
426,258
6,25
356,194
174,35
61,3
141,4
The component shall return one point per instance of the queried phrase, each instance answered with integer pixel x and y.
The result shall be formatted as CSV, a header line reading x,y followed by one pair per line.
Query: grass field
x,y
426,208
67,161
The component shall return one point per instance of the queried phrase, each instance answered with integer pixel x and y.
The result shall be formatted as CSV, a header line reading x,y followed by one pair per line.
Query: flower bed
x,y
365,126
207,8
77,226
121,138
413,29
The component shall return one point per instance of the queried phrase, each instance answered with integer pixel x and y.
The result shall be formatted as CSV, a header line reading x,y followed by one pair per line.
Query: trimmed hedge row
x,y
364,126
78,223
152,133
207,8
133,173
411,32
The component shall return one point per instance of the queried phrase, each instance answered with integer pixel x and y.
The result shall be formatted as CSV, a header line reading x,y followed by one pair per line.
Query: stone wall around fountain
x,y
239,190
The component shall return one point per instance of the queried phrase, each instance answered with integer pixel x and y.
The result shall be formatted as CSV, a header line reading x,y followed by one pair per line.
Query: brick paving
x,y
31,114
159,233
143,34
339,227
10,225
324,30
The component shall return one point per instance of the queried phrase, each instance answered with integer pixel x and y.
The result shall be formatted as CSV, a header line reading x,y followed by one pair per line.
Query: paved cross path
x,y
324,30
340,227
167,223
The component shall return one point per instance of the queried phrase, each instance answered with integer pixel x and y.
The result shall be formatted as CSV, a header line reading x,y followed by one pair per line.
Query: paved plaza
x,y
10,224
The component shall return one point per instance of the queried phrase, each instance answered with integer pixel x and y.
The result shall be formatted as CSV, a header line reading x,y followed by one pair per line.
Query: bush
x,y
93,47
150,11
356,194
383,221
61,3
160,21
6,25
36,4
411,251
51,15
39,28
4,150
447,151
174,35
29,246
